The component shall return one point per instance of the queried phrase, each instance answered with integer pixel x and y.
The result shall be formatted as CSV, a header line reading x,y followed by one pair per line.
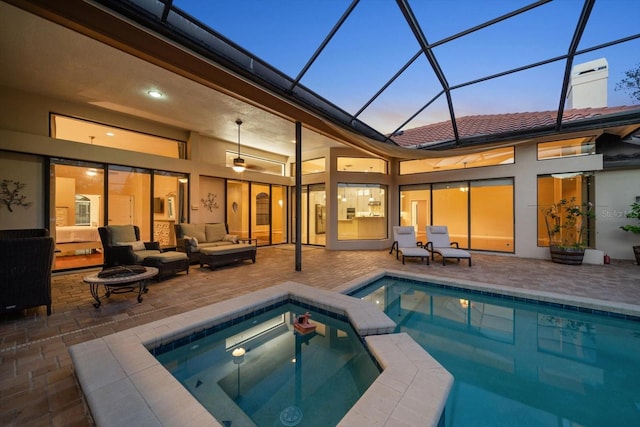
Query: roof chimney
x,y
588,86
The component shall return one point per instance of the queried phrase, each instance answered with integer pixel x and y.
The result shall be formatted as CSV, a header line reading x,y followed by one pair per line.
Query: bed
x,y
72,238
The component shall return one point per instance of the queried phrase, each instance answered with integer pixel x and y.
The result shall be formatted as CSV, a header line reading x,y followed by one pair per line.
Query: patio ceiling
x,y
372,68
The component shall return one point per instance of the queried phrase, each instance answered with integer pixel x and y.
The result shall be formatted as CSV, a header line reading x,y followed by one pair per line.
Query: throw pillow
x,y
137,245
215,232
121,233
194,230
191,241
233,238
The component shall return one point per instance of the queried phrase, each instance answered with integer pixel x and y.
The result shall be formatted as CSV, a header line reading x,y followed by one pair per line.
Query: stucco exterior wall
x,y
615,191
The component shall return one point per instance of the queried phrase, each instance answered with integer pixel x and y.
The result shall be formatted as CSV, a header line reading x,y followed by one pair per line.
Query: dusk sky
x,y
375,42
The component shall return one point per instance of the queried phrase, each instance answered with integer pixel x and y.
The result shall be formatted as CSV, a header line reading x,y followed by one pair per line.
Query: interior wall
x,y
164,187
279,208
66,199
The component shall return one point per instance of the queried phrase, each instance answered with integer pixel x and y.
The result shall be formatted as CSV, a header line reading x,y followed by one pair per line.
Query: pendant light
x,y
238,162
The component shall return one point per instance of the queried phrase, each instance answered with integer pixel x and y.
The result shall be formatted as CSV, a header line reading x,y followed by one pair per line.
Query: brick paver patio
x,y
37,382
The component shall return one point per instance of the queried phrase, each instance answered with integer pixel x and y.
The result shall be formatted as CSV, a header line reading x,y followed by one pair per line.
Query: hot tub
x,y
124,383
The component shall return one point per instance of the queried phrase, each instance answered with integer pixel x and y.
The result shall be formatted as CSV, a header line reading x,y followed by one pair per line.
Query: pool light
x,y
238,355
238,358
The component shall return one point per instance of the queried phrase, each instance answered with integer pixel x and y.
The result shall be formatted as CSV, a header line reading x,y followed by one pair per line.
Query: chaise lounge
x,y
405,243
439,243
212,245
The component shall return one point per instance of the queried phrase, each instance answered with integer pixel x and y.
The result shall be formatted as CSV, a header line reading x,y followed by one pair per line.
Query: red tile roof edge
x,y
495,124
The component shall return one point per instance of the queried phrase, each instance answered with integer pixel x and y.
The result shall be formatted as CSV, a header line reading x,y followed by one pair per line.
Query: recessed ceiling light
x,y
155,94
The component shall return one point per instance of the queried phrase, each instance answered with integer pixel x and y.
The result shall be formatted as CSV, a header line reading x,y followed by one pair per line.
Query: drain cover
x,y
291,416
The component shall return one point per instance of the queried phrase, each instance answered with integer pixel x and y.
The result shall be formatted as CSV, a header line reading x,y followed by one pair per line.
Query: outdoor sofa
x,y
212,245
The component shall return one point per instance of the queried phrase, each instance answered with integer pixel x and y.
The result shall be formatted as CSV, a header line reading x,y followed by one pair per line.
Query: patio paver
x,y
37,380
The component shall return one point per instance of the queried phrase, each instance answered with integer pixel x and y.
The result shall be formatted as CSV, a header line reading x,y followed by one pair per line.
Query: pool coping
x,y
124,384
552,299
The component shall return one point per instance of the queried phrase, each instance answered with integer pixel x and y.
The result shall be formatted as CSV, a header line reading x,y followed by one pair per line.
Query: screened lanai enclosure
x,y
427,62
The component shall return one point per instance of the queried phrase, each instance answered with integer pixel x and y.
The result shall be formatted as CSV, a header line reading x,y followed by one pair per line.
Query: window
x,y
278,214
498,156
169,205
553,188
361,164
92,133
491,215
415,208
257,164
479,214
310,166
262,209
451,208
313,215
567,148
129,198
362,211
257,211
260,213
83,210
77,198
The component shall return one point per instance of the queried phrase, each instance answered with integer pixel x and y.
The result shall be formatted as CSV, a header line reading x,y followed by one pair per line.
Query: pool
x,y
123,382
262,371
518,360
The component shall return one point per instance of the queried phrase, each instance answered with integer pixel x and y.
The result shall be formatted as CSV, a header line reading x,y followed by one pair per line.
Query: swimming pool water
x,y
520,364
284,378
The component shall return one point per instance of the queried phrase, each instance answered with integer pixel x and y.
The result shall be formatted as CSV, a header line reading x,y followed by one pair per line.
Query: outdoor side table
x,y
120,284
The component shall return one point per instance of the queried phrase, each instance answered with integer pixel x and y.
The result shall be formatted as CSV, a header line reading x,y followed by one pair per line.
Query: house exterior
x,y
352,188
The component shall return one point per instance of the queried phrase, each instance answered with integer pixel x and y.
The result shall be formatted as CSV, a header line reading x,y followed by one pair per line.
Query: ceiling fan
x,y
238,162
239,165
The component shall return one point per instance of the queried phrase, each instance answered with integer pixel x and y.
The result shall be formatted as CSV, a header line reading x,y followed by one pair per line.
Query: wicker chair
x,y
121,252
122,246
26,259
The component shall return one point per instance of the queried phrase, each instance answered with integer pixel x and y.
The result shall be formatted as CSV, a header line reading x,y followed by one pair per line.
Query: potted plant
x,y
567,225
635,229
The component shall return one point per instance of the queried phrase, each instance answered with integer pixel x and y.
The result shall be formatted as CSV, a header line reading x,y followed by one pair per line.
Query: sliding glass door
x,y
479,214
77,197
129,199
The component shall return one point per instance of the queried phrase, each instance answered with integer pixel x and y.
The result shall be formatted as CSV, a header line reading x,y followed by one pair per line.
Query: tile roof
x,y
495,124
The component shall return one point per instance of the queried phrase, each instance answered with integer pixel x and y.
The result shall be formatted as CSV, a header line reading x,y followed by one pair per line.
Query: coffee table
x,y
121,284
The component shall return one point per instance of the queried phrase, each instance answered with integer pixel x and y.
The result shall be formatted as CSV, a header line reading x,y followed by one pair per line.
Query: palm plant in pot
x,y
635,229
567,224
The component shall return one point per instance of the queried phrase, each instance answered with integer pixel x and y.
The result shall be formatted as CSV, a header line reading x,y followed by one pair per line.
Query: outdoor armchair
x,y
26,258
122,246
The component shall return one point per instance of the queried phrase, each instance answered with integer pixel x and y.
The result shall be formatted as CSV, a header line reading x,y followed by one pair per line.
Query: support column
x,y
298,196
